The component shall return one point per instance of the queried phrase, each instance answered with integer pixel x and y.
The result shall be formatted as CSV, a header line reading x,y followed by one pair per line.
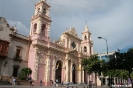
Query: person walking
x,y
56,82
40,82
13,81
31,83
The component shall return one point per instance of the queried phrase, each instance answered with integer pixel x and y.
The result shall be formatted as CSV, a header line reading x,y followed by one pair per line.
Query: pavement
x,y
70,86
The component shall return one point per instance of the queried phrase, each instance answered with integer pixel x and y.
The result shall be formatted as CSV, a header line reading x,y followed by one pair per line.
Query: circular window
x,y
1,28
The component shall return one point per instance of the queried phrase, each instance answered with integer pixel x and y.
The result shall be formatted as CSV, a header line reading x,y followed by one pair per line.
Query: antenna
x,y
3,10
86,22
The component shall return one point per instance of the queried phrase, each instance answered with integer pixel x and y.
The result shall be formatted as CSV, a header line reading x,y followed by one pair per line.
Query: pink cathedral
x,y
61,59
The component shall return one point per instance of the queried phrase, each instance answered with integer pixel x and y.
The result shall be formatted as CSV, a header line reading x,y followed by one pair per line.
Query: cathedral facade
x,y
57,60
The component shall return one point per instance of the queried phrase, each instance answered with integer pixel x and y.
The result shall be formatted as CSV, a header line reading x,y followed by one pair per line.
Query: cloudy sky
x,y
110,19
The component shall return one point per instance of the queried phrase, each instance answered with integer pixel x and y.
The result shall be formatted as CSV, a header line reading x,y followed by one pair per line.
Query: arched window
x,y
35,27
85,49
43,28
38,11
44,11
85,38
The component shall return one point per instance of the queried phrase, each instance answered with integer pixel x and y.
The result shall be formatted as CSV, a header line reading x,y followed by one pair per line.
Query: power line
x,y
122,41
3,10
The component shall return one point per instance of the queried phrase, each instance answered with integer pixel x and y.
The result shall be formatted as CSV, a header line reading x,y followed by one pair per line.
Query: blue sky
x,y
111,19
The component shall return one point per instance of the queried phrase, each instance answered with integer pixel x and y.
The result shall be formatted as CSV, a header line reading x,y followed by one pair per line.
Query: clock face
x,y
1,28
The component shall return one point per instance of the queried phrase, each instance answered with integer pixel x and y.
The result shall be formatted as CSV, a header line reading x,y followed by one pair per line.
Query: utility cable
x,y
122,41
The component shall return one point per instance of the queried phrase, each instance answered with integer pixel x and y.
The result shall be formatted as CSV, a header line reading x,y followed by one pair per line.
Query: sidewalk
x,y
25,86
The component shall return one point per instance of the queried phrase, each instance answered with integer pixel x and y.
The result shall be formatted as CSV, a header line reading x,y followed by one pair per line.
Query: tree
x,y
25,72
124,61
92,64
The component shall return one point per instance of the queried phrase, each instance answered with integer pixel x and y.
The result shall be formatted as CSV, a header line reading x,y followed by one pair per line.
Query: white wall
x,y
8,69
12,49
4,34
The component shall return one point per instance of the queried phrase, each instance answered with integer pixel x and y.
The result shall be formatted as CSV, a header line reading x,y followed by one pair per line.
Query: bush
x,y
25,72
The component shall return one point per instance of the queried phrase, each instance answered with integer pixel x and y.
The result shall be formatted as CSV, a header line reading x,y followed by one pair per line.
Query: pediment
x,y
72,31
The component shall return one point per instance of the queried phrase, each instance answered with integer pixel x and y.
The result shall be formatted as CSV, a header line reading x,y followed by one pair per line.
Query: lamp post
x,y
106,44
107,52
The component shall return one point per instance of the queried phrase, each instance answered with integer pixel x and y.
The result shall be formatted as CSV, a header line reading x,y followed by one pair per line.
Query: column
x,y
77,47
79,74
48,27
63,74
86,78
71,73
36,66
53,69
67,70
90,77
41,9
106,80
114,81
47,70
66,43
69,43
82,75
39,23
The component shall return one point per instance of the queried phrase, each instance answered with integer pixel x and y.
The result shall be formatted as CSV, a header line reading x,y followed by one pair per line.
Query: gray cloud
x,y
21,28
111,19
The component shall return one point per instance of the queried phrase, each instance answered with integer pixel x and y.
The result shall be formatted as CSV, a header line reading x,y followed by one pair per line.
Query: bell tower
x,y
40,21
39,34
86,43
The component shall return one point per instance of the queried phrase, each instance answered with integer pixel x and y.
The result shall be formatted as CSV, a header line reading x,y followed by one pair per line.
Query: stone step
x,y
4,82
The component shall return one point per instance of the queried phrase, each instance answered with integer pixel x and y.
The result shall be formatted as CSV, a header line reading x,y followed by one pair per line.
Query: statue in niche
x,y
73,45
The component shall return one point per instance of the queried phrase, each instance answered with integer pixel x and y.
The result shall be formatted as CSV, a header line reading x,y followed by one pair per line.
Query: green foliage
x,y
120,65
118,73
92,64
25,72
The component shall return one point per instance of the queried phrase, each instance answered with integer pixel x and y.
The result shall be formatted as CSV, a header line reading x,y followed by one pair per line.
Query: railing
x,y
42,15
36,36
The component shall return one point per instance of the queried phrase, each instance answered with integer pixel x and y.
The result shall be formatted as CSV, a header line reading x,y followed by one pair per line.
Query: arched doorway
x,y
73,73
58,71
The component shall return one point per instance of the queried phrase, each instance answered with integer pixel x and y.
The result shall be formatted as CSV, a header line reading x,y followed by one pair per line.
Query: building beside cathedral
x,y
49,60
14,49
61,59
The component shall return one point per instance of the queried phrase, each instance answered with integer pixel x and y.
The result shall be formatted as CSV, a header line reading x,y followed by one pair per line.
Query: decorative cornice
x,y
45,17
72,36
86,32
20,37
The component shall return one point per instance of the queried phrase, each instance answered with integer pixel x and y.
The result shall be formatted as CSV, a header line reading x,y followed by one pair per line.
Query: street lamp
x,y
107,52
106,45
